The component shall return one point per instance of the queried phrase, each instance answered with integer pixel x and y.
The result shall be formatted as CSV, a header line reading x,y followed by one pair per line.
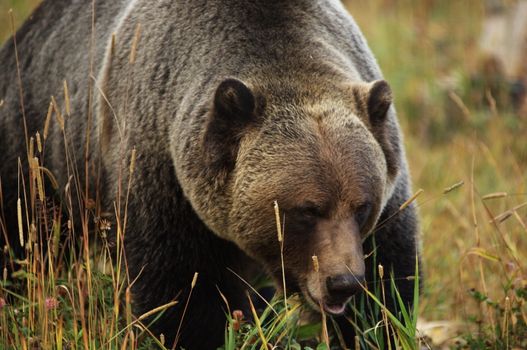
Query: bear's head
x,y
330,162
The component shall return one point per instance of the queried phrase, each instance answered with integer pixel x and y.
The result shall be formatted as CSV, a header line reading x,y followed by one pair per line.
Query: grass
x,y
21,9
467,153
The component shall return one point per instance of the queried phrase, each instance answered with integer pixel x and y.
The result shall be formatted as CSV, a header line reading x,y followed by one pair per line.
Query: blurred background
x,y
458,70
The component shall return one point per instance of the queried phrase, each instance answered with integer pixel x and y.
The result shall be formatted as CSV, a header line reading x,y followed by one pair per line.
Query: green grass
x,y
474,245
21,9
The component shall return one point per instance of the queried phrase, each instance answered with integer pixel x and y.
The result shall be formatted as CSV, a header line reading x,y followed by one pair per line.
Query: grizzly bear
x,y
230,106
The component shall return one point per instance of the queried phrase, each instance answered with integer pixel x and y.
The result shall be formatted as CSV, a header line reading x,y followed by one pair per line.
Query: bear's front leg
x,y
198,319
165,246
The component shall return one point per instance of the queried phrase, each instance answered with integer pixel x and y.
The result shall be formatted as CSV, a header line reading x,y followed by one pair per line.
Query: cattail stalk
x,y
67,99
135,42
132,161
316,266
192,285
281,242
411,199
19,216
48,119
39,142
453,187
494,195
31,147
277,219
58,114
38,176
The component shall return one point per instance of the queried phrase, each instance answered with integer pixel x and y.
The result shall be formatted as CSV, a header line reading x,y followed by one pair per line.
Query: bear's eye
x,y
308,211
362,213
303,219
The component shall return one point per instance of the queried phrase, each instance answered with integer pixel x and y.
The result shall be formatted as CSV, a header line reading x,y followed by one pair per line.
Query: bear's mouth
x,y
332,307
335,309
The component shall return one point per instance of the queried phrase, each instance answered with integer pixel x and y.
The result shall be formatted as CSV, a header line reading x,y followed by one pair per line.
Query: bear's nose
x,y
345,285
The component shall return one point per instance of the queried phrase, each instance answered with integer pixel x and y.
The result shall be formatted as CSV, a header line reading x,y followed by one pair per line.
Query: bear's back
x,y
183,49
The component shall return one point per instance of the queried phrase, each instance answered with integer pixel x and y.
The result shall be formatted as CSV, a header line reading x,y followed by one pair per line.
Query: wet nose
x,y
345,285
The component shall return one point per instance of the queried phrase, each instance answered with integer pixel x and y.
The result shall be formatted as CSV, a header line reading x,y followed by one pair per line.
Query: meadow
x,y
467,149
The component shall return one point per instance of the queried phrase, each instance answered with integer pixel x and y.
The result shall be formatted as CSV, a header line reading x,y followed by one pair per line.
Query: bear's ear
x,y
234,100
234,110
374,101
379,100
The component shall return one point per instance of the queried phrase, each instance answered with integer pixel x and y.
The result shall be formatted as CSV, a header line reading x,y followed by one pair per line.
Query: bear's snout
x,y
343,286
340,288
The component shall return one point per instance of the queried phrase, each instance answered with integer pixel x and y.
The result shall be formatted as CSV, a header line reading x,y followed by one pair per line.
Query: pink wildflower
x,y
51,303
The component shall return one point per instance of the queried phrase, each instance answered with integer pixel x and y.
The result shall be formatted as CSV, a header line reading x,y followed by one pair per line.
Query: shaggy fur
x,y
231,105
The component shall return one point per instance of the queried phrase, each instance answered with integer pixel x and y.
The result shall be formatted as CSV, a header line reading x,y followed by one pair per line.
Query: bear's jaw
x,y
334,308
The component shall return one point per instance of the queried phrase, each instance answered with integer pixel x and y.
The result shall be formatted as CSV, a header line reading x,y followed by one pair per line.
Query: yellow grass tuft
x,y
48,119
20,224
411,200
278,221
135,42
316,266
67,98
58,114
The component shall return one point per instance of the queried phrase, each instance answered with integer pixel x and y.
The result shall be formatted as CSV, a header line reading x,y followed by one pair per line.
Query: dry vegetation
x,y
455,132
467,149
